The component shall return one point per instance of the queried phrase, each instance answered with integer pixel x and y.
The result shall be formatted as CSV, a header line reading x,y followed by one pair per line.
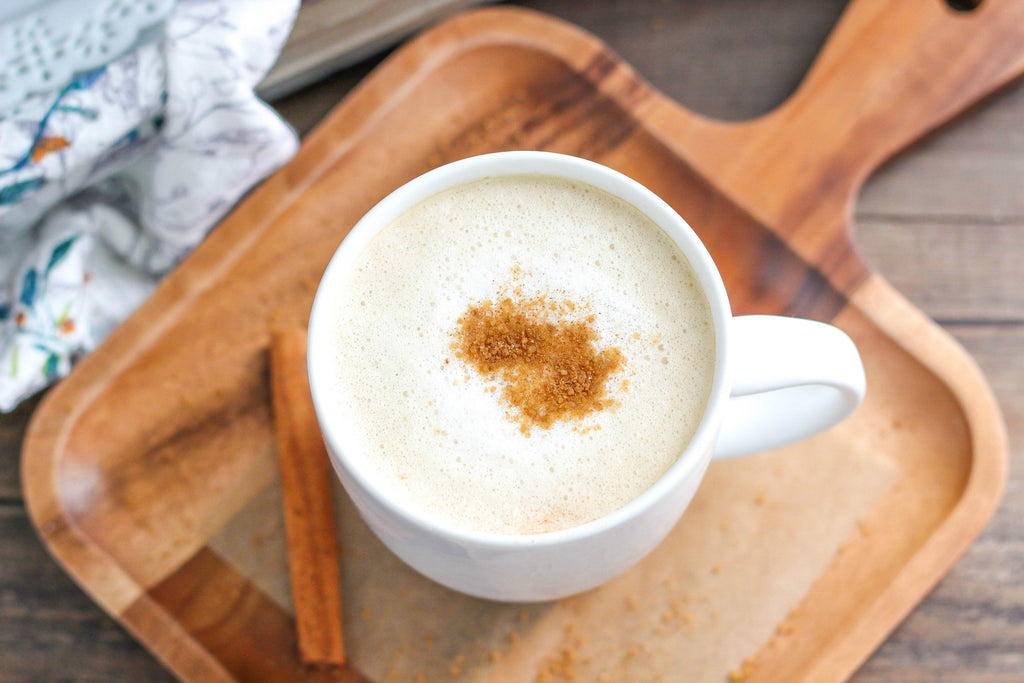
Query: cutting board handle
x,y
892,71
889,73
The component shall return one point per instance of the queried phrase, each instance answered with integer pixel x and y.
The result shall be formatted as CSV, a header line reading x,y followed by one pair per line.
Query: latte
x,y
518,354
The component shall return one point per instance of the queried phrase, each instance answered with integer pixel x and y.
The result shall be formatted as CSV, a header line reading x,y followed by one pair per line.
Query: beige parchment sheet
x,y
758,533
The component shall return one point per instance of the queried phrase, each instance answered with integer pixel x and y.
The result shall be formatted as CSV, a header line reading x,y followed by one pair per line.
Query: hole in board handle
x,y
964,5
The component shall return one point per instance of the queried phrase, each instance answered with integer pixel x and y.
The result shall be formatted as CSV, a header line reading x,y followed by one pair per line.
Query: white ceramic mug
x,y
777,380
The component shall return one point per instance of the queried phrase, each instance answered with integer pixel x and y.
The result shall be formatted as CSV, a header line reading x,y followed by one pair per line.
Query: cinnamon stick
x,y
306,478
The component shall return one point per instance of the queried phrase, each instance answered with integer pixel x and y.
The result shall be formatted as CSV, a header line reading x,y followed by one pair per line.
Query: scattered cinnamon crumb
x,y
456,665
551,369
559,667
742,673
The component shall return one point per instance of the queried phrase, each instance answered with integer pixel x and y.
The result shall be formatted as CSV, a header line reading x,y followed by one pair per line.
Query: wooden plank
x,y
997,350
954,270
12,431
973,168
679,48
49,629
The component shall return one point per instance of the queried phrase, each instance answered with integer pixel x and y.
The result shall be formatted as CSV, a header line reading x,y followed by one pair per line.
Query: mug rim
x,y
497,164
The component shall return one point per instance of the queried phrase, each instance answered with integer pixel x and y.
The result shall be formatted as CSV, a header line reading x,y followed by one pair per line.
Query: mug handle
x,y
791,379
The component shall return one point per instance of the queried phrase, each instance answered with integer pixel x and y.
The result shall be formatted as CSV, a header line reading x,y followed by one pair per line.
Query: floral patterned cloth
x,y
106,184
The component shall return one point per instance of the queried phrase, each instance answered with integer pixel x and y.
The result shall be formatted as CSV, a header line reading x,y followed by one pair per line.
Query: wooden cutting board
x,y
150,466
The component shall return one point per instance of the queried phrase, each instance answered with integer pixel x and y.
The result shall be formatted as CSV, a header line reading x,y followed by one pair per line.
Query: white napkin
x,y
109,182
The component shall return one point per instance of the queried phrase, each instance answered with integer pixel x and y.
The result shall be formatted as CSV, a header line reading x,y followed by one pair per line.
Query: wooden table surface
x,y
943,222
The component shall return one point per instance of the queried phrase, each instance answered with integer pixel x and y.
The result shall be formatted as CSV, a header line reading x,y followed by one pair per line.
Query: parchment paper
x,y
758,533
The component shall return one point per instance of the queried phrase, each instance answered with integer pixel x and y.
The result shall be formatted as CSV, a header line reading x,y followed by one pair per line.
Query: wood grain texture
x,y
246,636
957,185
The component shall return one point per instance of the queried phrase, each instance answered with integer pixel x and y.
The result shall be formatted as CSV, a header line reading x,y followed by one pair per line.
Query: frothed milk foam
x,y
435,433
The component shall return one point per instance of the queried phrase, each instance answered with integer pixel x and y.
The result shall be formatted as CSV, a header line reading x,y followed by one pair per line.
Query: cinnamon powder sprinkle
x,y
550,369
